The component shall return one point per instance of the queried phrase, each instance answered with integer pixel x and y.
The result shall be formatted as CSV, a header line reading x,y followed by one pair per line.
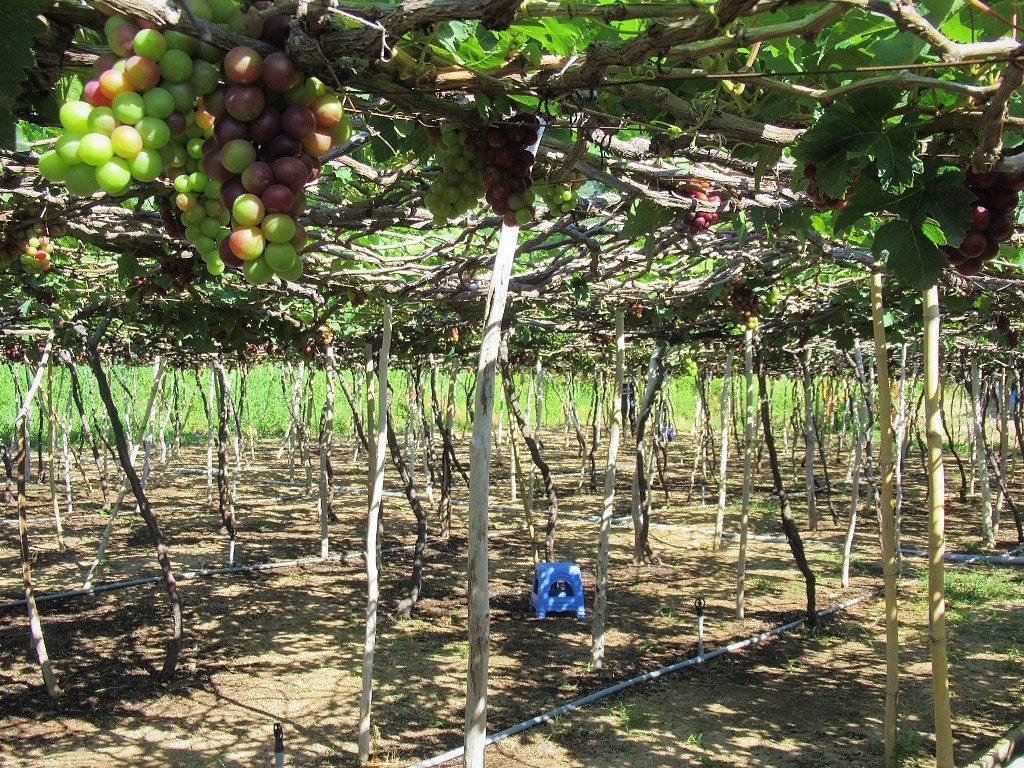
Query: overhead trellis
x,y
646,103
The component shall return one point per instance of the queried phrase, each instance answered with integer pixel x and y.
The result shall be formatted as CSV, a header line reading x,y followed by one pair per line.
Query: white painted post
x,y
723,407
372,544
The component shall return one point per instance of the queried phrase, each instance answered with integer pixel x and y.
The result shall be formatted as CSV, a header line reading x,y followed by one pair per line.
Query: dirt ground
x,y
286,646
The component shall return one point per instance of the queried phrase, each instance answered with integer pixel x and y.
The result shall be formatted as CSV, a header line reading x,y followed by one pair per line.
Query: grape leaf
x,y
895,153
867,197
938,192
20,23
909,254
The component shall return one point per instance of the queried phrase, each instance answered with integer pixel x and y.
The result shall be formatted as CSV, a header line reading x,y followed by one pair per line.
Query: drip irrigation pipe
x,y
964,557
544,717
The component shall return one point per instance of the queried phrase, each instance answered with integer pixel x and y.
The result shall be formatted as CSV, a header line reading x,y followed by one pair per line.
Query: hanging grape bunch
x,y
31,245
459,185
746,303
239,137
819,199
559,198
507,166
698,221
991,219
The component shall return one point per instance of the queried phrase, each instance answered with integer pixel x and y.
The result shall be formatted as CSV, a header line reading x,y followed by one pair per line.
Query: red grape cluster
x,y
507,166
239,136
698,221
746,303
32,245
819,199
991,219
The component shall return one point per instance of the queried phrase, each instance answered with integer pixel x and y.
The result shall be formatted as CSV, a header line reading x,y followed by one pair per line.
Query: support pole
x,y
372,544
888,522
601,590
724,457
936,533
748,467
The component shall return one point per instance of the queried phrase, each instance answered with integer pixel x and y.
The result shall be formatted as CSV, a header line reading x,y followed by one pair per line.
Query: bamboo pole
x,y
601,587
372,544
51,422
888,521
809,442
936,533
748,467
724,457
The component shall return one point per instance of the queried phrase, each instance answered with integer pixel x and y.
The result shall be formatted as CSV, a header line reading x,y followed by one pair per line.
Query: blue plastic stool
x,y
557,587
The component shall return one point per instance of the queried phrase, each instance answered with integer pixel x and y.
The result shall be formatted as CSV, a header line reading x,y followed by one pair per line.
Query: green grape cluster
x,y
31,244
459,185
559,198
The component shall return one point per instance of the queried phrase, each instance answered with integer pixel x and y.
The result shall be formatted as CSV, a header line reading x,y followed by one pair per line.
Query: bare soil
x,y
286,646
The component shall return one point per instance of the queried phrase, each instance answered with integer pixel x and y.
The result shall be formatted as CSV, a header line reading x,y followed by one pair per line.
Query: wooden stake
x,y
376,484
601,587
748,467
981,457
724,457
886,472
936,533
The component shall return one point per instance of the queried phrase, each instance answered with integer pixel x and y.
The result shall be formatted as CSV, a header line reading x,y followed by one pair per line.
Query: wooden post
x,y
886,472
1004,445
809,442
479,485
980,453
855,465
372,544
936,533
601,587
21,429
325,455
724,457
748,467
51,422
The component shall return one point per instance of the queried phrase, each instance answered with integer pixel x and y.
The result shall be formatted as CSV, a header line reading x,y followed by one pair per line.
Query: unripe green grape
x,y
214,208
210,53
150,43
184,98
280,257
257,272
128,107
74,116
126,141
67,148
102,120
158,102
237,155
181,42
247,210
278,228
205,244
201,9
81,180
198,181
154,132
175,66
215,265
210,227
221,10
146,165
114,176
192,233
95,149
174,155
292,275
204,77
52,167
194,216
523,216
195,148
181,183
